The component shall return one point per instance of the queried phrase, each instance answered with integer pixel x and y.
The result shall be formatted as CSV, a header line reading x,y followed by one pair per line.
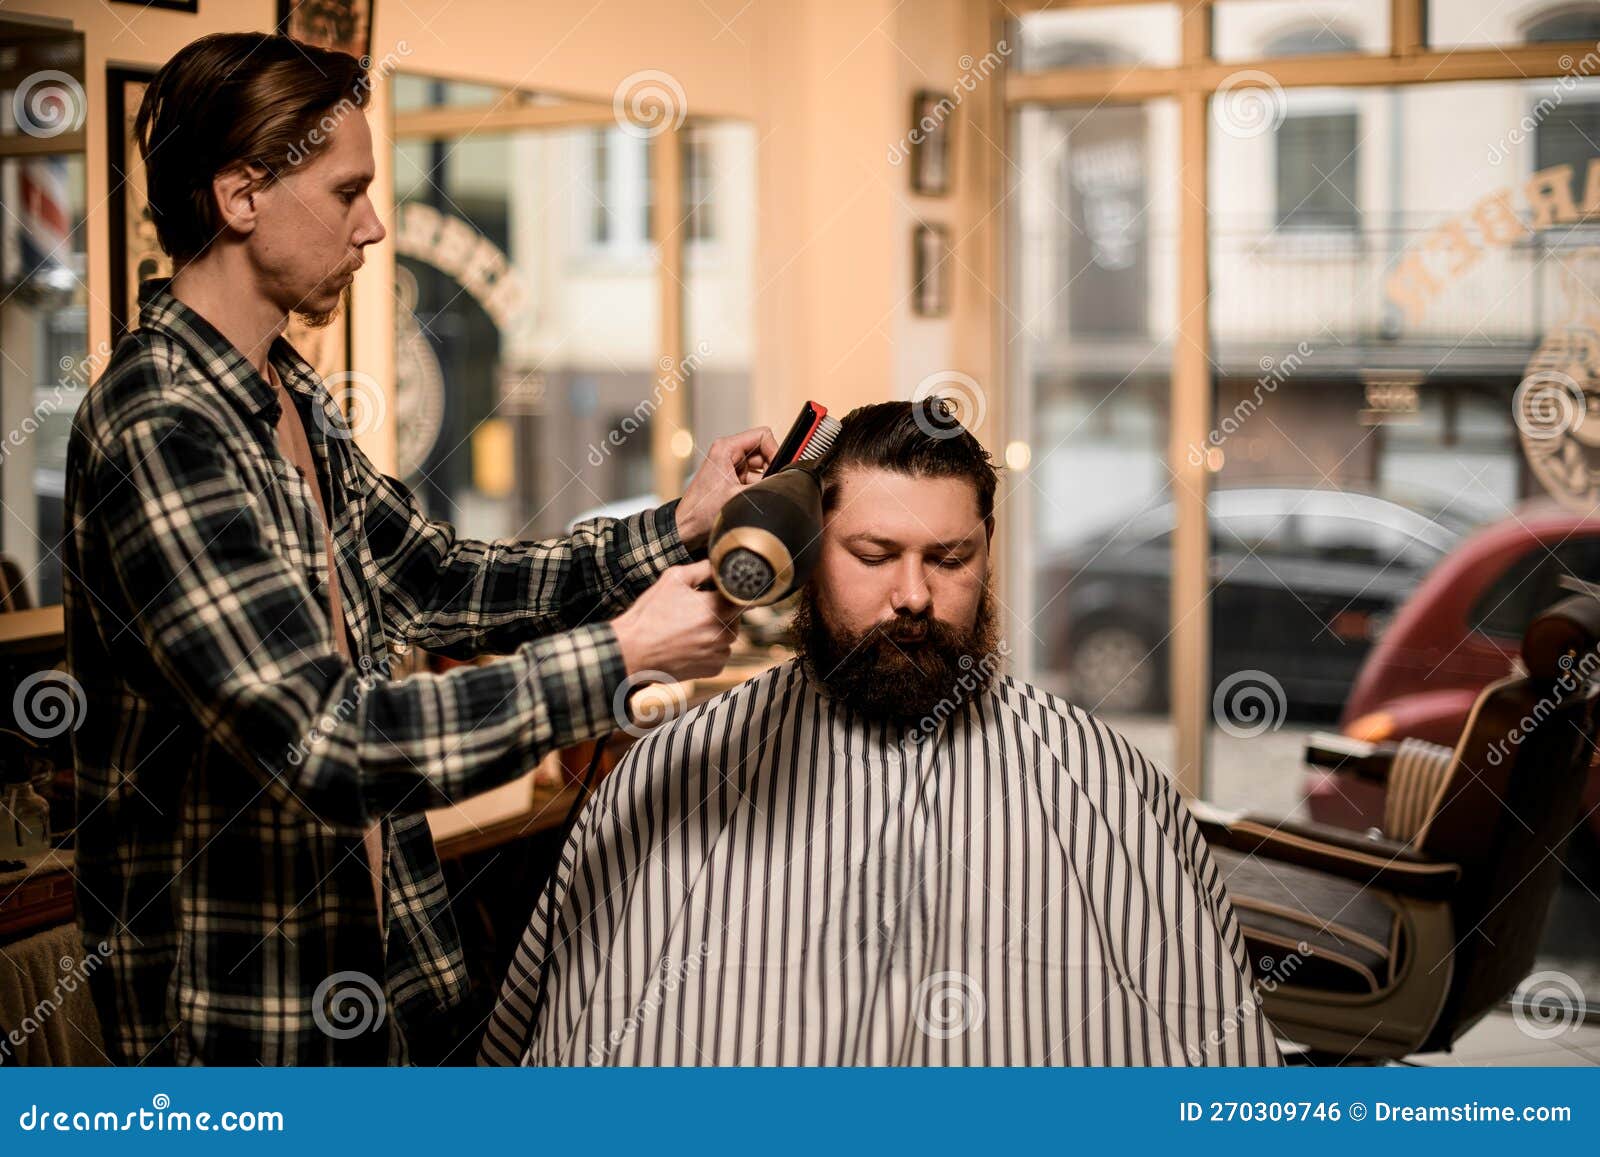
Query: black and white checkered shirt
x,y
229,758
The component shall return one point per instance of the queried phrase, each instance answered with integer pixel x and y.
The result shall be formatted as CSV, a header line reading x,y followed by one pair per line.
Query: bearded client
x,y
886,851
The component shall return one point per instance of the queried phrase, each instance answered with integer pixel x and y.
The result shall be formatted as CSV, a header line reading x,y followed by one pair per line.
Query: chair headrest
x,y
1563,637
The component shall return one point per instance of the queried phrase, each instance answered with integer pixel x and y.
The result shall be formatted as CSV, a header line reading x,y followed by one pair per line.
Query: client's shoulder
x,y
1080,727
1090,750
1020,695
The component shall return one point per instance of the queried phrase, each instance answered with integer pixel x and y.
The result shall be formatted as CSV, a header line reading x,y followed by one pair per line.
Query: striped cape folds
x,y
774,880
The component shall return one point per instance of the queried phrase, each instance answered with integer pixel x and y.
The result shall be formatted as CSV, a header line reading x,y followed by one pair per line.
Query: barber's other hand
x,y
731,463
676,628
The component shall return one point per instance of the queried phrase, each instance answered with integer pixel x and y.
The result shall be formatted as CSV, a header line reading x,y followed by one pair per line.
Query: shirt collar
x,y
222,362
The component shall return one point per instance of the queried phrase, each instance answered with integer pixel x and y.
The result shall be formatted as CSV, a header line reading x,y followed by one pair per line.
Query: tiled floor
x,y
1499,1040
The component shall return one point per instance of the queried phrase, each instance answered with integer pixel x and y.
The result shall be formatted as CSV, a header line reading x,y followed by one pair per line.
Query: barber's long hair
x,y
922,439
233,99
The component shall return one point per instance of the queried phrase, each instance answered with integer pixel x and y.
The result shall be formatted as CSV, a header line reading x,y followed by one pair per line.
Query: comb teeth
x,y
821,440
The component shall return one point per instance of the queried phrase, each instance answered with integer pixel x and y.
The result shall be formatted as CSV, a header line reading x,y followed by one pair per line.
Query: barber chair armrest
x,y
1338,851
1334,752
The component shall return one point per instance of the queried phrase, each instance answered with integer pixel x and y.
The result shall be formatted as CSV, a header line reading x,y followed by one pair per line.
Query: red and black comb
x,y
811,436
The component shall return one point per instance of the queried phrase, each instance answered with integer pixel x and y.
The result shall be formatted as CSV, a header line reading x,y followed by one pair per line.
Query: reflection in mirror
x,y
528,297
44,363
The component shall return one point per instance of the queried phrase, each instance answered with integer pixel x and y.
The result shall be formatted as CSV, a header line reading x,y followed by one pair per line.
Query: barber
x,y
238,577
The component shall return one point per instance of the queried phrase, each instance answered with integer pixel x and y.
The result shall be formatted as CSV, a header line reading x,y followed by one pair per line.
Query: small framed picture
x,y
342,25
930,263
931,112
135,252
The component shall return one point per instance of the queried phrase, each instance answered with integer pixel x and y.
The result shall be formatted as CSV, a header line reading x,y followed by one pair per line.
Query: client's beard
x,y
900,669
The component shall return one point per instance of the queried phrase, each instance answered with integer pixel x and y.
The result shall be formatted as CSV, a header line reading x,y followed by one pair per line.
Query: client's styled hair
x,y
233,99
923,439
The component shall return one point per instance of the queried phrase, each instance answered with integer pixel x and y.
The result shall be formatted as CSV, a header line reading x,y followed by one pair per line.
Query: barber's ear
x,y
235,190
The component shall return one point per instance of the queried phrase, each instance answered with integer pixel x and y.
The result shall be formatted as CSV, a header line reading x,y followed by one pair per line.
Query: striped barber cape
x,y
772,879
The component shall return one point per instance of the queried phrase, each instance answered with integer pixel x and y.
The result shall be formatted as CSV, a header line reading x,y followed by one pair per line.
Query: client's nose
x,y
911,594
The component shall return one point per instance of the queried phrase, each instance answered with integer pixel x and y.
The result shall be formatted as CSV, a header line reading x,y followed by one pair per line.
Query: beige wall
x,y
827,83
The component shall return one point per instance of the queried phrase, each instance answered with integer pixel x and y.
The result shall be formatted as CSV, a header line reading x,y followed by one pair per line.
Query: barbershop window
x,y
699,185
616,191
1094,234
1367,402
1261,29
1475,25
1130,35
44,299
1318,166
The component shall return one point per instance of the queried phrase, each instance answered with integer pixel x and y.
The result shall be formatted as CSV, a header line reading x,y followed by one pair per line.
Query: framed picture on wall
x,y
930,142
135,251
342,25
172,5
930,264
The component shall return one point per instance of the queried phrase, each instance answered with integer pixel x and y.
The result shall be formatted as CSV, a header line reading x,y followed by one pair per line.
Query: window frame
x,y
1193,82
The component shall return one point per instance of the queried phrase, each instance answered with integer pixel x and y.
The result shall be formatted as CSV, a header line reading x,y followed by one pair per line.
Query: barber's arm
x,y
237,637
458,596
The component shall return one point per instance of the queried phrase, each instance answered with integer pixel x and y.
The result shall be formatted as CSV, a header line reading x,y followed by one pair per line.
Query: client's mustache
x,y
904,628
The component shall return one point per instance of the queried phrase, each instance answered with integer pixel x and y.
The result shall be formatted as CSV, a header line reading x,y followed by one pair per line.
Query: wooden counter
x,y
32,632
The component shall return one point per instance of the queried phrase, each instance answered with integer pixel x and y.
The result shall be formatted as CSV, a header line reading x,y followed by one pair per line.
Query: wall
x,y
826,85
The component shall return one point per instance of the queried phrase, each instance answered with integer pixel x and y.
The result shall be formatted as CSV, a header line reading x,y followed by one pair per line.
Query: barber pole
x,y
37,232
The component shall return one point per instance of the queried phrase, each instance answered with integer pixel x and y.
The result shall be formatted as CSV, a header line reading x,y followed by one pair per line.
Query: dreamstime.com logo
x,y
308,146
1249,703
49,703
1249,103
667,979
973,72
661,698
1547,404
672,375
648,103
160,1117
1525,128
1575,674
49,103
947,403
1274,372
326,723
1269,975
347,1004
359,403
1548,1004
948,1004
976,674
74,974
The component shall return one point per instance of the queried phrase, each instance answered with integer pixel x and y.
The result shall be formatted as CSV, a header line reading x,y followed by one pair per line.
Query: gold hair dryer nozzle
x,y
764,543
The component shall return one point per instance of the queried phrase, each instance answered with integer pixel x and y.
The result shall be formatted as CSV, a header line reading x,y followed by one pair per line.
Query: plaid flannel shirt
x,y
230,759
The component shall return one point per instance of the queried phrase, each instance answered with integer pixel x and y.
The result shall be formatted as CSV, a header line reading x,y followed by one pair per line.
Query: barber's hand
x,y
676,628
731,463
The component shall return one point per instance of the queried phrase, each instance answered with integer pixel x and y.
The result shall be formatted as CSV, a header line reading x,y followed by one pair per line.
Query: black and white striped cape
x,y
773,880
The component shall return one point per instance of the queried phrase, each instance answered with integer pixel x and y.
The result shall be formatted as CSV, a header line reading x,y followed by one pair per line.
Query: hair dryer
x,y
764,543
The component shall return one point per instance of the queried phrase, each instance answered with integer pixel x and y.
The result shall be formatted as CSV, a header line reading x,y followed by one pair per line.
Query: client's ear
x,y
988,529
